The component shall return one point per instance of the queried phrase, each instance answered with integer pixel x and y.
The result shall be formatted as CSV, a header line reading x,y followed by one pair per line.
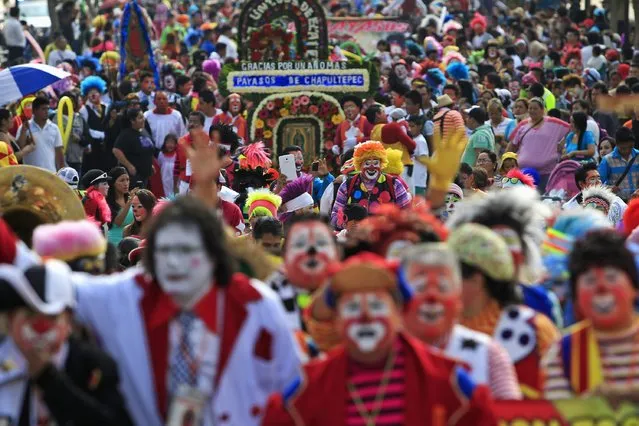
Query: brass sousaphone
x,y
31,196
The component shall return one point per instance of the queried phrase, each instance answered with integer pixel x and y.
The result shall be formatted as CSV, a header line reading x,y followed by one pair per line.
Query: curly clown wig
x,y
458,71
92,82
388,224
395,166
369,150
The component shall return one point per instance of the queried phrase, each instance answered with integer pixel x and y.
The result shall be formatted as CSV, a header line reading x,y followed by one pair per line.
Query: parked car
x,y
36,13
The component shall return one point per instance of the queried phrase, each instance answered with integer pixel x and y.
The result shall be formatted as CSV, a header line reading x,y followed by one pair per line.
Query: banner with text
x,y
290,76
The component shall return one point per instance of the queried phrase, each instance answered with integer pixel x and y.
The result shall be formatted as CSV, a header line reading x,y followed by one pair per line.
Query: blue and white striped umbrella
x,y
21,80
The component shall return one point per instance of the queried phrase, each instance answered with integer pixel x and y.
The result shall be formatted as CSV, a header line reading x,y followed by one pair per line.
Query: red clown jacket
x,y
438,393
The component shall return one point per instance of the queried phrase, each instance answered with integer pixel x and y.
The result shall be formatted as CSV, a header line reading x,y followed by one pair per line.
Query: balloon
x,y
66,131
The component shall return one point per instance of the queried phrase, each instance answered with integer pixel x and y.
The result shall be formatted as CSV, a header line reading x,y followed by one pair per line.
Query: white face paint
x,y
182,265
366,333
372,168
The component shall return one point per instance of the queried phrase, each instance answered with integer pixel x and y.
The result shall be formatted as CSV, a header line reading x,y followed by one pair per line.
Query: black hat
x,y
94,177
46,288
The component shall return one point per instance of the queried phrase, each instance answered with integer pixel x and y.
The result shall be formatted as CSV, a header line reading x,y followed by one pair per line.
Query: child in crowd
x,y
166,158
420,173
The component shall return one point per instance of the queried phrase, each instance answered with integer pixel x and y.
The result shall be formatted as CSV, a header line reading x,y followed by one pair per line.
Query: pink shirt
x,y
538,147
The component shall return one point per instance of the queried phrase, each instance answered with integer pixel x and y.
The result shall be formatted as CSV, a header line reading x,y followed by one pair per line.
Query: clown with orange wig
x,y
370,186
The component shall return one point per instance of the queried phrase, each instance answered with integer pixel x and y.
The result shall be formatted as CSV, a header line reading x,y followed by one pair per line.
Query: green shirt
x,y
481,138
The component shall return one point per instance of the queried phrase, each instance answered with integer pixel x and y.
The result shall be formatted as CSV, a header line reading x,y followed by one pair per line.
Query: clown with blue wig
x,y
94,114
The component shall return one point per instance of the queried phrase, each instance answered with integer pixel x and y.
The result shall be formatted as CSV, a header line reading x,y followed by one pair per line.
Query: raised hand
x,y
444,164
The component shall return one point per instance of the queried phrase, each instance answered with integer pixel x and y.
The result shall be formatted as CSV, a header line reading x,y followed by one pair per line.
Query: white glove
x,y
336,150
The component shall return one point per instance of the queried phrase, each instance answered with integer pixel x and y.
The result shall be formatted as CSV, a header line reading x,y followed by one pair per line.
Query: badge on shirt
x,y
187,407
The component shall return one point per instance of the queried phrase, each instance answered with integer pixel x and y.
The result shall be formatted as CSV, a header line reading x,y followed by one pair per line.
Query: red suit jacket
x,y
438,393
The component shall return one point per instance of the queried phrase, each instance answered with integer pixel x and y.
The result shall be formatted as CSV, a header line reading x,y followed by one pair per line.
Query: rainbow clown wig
x,y
262,202
369,150
92,82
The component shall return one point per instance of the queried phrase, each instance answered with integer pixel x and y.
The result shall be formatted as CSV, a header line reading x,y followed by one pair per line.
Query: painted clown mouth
x,y
371,174
367,332
604,304
430,313
313,264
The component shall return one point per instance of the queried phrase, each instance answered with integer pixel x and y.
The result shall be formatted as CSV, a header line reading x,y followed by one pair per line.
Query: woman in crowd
x,y
606,146
142,204
487,160
134,149
119,199
6,121
520,110
580,143
536,141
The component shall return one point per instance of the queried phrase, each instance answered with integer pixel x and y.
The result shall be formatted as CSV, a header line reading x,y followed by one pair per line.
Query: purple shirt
x,y
538,147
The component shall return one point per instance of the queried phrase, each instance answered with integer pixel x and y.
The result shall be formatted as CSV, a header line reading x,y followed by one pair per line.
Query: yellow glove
x,y
444,164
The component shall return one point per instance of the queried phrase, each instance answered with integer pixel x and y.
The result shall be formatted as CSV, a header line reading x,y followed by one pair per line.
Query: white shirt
x,y
58,56
46,139
586,54
206,350
166,171
596,62
351,134
208,121
149,98
231,46
13,33
164,124
420,173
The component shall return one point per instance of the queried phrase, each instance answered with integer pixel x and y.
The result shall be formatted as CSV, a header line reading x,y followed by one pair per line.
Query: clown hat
x,y
69,240
480,247
262,202
366,272
47,288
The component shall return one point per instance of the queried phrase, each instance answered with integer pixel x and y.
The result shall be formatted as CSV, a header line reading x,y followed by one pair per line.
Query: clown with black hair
x,y
94,115
588,359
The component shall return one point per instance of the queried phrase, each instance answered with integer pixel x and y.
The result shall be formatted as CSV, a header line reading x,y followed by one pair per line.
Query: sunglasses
x,y
513,181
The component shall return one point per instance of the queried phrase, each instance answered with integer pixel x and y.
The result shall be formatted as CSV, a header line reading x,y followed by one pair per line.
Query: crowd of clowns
x,y
470,235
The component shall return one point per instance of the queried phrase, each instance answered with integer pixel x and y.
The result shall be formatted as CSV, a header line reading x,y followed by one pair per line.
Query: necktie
x,y
183,363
